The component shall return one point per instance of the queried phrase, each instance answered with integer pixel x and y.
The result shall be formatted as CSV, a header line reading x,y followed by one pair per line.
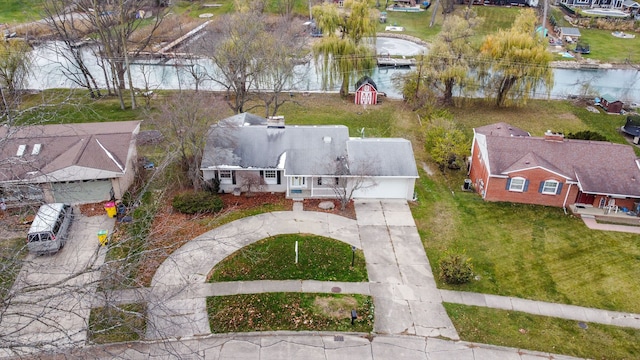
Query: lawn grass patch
x,y
330,109
117,324
527,251
542,333
20,11
608,48
320,258
289,311
414,23
64,106
12,252
226,217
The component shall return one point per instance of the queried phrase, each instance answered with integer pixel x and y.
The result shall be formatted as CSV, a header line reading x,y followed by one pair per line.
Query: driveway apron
x,y
51,296
406,298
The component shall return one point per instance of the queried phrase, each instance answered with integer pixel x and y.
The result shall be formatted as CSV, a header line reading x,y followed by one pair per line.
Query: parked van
x,y
50,227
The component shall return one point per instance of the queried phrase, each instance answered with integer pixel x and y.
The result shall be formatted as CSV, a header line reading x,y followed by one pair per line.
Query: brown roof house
x,y
72,163
510,165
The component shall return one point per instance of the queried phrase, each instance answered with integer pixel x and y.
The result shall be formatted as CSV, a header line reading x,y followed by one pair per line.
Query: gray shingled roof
x,y
381,157
570,31
310,150
98,147
601,167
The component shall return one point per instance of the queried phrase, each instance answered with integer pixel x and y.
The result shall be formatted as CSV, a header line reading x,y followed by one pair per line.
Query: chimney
x,y
275,122
551,136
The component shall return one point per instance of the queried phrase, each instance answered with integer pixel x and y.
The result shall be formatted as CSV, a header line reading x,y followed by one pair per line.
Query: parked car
x,y
50,228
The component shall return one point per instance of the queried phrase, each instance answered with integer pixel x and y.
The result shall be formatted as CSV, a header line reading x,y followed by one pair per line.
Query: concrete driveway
x,y
48,303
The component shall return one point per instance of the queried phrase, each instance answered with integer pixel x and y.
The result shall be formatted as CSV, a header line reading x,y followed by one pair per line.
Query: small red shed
x,y
366,92
611,104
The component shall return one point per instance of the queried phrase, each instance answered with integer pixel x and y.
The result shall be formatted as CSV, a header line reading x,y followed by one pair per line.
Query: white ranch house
x,y
306,161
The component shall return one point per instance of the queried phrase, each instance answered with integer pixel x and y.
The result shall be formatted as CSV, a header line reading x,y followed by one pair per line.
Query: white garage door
x,y
384,189
82,191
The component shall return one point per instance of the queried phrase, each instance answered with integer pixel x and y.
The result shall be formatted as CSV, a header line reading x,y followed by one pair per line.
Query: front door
x,y
585,198
298,182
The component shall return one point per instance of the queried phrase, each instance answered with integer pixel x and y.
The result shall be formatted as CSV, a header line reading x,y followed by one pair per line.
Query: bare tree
x,y
251,181
351,177
115,22
186,117
284,48
238,51
71,28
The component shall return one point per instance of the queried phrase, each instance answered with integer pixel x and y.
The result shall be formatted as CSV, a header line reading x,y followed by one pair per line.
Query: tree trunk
x,y
344,89
505,86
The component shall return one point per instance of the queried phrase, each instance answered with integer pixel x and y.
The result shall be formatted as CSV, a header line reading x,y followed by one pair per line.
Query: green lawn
x,y
541,333
289,311
117,324
320,258
608,48
12,251
527,251
20,11
415,24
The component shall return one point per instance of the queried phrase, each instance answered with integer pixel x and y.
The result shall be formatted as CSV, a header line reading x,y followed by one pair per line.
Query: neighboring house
x,y
306,161
509,165
610,104
72,163
366,92
612,4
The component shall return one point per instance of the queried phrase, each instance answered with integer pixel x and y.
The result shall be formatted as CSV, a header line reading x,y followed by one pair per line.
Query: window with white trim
x,y
550,187
225,176
270,177
517,184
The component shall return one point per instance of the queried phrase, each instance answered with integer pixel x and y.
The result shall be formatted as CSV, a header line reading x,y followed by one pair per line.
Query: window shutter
x,y
541,186
508,183
233,177
559,189
278,181
262,173
216,175
526,186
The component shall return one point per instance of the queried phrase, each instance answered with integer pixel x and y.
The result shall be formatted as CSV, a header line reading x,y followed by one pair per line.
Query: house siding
x,y
497,189
478,172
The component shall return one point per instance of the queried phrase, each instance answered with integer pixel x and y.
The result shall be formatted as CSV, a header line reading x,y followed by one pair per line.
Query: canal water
x,y
51,70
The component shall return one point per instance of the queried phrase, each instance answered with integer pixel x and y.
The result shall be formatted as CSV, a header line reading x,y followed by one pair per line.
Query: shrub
x,y
587,135
197,203
456,269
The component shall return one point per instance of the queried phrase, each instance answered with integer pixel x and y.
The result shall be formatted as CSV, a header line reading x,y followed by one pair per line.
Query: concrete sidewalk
x,y
308,346
592,224
570,312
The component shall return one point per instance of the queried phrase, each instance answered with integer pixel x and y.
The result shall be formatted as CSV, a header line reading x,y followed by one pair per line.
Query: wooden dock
x,y
393,62
182,38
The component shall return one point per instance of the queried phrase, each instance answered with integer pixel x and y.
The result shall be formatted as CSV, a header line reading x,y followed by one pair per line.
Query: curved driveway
x,y
400,280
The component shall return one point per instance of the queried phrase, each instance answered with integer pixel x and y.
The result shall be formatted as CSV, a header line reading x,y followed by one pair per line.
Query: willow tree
x,y
346,49
452,57
516,61
15,61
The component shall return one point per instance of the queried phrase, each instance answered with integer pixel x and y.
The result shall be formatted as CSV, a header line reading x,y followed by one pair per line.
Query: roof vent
x,y
326,139
275,122
36,149
21,150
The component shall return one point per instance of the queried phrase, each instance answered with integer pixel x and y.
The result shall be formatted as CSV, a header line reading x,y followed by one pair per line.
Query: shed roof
x,y
366,80
630,4
610,98
600,167
570,31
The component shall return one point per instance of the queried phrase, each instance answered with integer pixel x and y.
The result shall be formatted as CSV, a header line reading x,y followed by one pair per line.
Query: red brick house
x,y
507,164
